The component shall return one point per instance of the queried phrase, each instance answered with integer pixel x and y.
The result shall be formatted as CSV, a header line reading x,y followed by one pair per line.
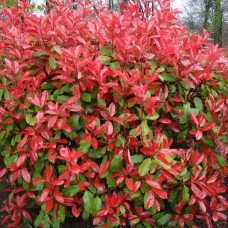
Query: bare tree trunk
x,y
208,5
217,22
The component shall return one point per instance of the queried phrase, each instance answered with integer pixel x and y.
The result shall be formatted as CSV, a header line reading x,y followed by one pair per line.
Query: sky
x,y
177,4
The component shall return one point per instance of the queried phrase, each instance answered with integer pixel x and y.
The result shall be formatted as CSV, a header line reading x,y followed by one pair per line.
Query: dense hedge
x,y
111,116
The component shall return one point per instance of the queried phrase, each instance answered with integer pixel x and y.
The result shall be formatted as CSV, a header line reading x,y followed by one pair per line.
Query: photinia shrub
x,y
117,117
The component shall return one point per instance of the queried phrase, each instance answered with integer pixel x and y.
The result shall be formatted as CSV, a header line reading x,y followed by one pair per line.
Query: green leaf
x,y
4,81
1,93
187,176
167,77
55,223
144,167
89,202
7,95
70,190
194,111
116,164
183,171
46,222
39,219
120,140
154,117
114,65
86,97
221,160
145,128
74,123
61,213
164,219
52,63
185,194
182,134
104,58
162,164
106,51
137,158
95,154
30,119
84,146
85,215
61,168
198,103
158,215
153,166
11,159
2,134
160,69
62,99
207,141
173,195
98,204
39,53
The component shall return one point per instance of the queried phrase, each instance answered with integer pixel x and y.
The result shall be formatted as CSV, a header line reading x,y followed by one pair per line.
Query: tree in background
x,y
217,22
208,5
208,14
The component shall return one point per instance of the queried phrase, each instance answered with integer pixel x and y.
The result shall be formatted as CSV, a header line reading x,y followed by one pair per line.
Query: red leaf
x,y
52,121
58,197
49,205
75,169
194,119
129,184
104,167
222,216
57,182
38,180
212,179
213,203
112,218
181,221
161,193
112,109
223,200
199,135
208,126
48,173
108,128
6,219
44,98
86,137
118,120
202,206
76,211
177,99
26,214
3,172
153,184
119,180
21,160
189,83
96,220
94,143
26,175
165,121
150,199
43,196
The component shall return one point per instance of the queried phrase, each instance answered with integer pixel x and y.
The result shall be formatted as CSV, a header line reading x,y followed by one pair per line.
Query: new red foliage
x,y
112,116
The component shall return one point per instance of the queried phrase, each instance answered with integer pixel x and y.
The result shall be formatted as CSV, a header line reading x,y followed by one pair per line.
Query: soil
x,y
3,196
79,223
